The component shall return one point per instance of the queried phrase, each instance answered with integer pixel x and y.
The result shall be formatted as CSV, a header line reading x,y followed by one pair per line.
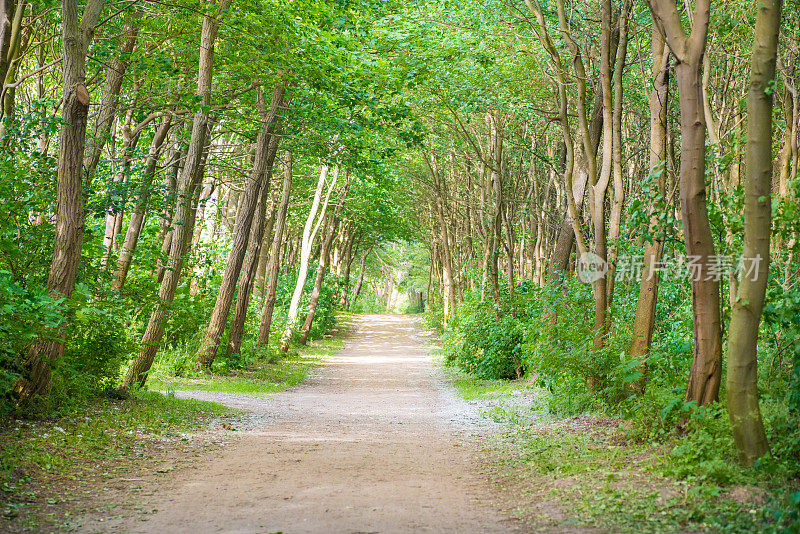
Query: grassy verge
x,y
587,470
48,464
262,372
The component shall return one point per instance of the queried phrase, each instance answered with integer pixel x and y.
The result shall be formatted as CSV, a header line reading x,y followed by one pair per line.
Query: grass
x,y
39,458
585,470
262,373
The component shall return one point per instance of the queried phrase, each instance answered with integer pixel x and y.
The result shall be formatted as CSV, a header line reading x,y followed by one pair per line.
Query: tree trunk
x,y
181,224
77,34
116,189
309,233
115,74
254,245
273,269
559,259
742,379
259,179
322,268
360,281
140,207
644,320
704,380
348,264
617,204
7,12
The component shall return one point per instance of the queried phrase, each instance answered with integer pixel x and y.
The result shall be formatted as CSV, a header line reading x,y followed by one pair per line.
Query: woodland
x,y
599,200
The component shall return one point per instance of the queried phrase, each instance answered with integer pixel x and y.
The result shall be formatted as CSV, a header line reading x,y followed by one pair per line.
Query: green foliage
x,y
485,340
25,314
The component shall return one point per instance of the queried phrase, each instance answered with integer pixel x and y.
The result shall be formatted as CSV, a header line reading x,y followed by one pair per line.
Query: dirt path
x,y
374,441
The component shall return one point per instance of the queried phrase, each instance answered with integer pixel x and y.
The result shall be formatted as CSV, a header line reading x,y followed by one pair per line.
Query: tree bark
x,y
259,179
273,269
742,379
559,258
254,245
309,233
344,298
115,74
704,380
360,281
140,207
77,34
182,220
322,268
644,320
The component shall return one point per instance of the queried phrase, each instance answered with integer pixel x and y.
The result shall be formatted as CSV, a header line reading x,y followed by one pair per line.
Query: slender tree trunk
x,y
115,74
273,269
322,268
360,281
348,263
7,12
11,37
260,224
617,204
309,233
742,379
140,207
116,188
704,380
258,181
77,34
182,220
644,320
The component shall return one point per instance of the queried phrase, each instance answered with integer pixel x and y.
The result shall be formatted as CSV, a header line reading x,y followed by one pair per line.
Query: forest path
x,y
374,441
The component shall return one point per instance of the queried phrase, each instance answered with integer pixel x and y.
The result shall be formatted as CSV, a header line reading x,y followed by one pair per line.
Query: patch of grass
x,y
587,471
90,441
471,388
266,371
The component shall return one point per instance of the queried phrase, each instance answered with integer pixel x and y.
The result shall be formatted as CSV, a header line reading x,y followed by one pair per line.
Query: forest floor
x,y
376,440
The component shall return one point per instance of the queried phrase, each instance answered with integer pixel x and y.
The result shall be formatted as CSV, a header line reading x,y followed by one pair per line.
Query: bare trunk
x,y
644,320
255,243
140,207
77,34
309,234
115,74
241,233
360,281
704,380
182,220
275,252
742,379
322,269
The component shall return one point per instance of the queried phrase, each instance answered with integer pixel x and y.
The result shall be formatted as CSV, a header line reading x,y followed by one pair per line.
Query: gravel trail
x,y
374,441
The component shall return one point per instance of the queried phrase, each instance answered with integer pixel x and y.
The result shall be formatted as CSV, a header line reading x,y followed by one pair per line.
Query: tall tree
x,y
644,320
77,33
706,373
273,268
182,220
259,179
742,379
310,230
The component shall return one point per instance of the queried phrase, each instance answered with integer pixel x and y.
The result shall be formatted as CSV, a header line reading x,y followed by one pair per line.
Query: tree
x,y
706,373
259,179
182,221
742,379
76,34
274,265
